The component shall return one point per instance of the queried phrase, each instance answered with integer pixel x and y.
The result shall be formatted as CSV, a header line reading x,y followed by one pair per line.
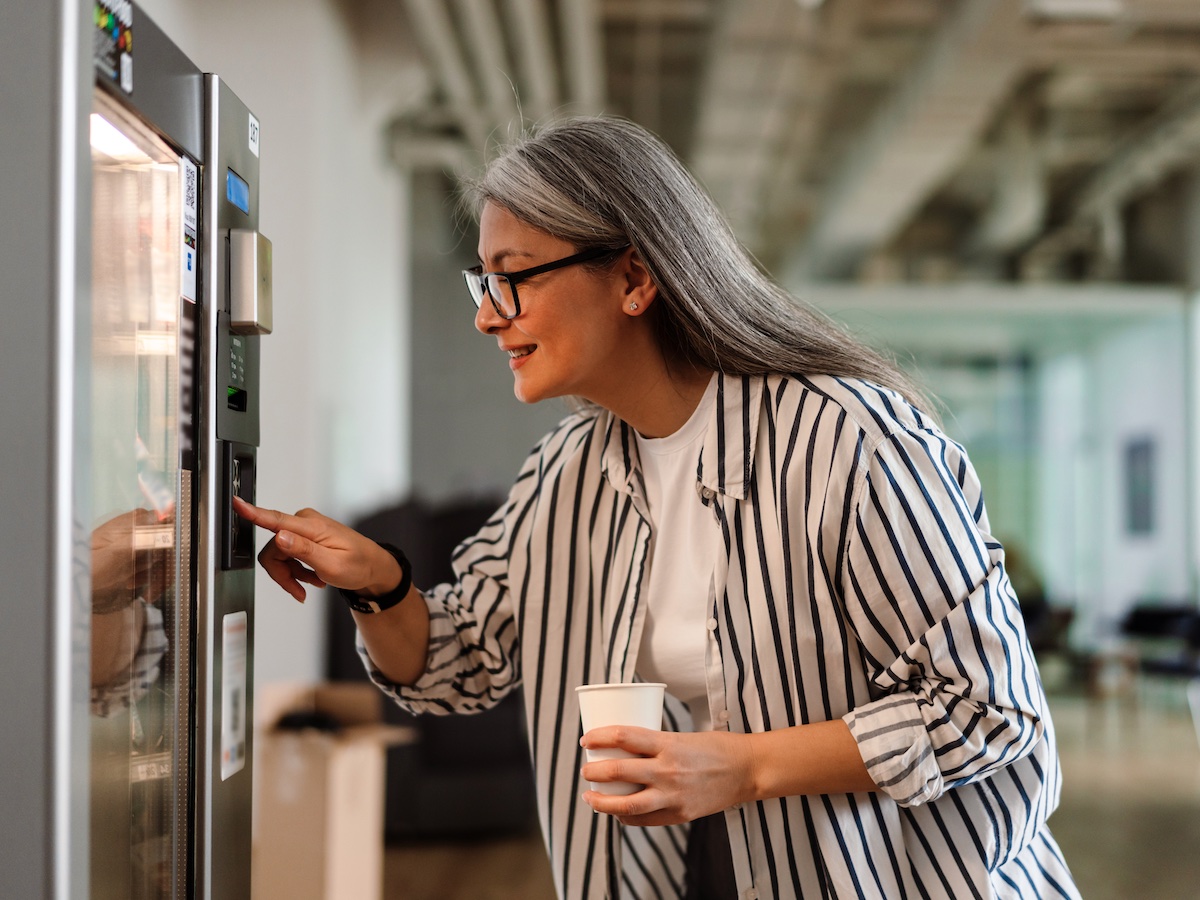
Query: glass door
x,y
141,553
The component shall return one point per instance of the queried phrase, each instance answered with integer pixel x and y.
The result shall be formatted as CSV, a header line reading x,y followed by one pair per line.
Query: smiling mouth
x,y
519,352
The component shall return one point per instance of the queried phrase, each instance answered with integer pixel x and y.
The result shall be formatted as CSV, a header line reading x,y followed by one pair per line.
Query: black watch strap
x,y
362,604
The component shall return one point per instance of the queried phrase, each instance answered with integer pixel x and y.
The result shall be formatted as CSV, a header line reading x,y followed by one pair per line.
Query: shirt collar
x,y
726,462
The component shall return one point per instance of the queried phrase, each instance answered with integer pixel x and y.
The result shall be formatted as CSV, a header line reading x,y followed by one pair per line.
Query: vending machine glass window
x,y
140,535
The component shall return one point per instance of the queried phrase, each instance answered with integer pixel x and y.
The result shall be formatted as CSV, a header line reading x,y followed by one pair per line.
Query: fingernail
x,y
284,540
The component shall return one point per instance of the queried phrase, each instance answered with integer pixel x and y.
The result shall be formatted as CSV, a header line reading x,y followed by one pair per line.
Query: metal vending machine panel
x,y
237,301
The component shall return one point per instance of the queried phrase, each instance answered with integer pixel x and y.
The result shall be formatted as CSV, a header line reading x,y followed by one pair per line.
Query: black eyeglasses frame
x,y
476,274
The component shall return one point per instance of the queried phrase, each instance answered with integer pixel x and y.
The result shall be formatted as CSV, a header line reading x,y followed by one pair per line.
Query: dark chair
x,y
1168,641
1047,627
464,775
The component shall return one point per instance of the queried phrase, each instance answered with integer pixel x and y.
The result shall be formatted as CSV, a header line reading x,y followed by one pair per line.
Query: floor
x,y
1129,822
508,868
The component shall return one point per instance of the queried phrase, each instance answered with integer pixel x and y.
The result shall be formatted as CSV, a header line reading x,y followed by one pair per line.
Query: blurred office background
x,y
1005,194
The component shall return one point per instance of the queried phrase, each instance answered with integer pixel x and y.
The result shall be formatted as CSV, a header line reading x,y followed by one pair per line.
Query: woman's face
x,y
574,320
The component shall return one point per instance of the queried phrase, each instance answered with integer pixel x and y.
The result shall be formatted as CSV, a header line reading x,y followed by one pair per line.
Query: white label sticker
x,y
188,260
233,693
127,73
253,135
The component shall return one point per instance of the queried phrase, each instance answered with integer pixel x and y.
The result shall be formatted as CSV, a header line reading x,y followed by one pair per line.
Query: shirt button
x,y
708,493
723,716
751,894
712,624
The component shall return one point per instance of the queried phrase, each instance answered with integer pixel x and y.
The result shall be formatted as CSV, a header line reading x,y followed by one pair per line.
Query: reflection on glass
x,y
137,500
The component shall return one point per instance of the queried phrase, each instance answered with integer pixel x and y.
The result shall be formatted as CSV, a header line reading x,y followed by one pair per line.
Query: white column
x,y
1190,256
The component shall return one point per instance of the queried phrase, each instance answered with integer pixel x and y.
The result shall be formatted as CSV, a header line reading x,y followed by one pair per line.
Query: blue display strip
x,y
237,191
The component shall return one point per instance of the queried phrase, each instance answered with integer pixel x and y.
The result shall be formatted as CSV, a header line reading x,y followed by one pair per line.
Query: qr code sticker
x,y
189,187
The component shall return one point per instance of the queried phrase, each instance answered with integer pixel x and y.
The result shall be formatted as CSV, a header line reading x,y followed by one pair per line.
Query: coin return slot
x,y
238,542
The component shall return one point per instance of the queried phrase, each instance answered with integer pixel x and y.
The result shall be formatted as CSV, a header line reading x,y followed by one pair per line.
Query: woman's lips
x,y
518,355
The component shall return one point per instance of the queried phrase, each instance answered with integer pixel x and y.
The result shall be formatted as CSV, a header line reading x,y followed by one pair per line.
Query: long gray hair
x,y
603,181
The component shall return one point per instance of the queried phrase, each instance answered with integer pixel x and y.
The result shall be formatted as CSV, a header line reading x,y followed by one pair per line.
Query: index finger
x,y
273,520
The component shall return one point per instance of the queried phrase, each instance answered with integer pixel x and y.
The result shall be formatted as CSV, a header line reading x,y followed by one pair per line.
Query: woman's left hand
x,y
686,776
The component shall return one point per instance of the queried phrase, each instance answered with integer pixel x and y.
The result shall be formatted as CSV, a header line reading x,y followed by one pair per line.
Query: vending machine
x,y
181,292
166,412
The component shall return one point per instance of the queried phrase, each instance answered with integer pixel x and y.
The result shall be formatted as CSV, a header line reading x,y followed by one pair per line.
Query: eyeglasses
x,y
501,287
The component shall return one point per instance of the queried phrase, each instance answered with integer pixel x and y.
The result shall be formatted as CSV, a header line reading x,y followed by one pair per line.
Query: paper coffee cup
x,y
635,703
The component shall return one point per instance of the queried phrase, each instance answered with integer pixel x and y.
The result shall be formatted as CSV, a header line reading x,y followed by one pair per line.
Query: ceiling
x,y
864,140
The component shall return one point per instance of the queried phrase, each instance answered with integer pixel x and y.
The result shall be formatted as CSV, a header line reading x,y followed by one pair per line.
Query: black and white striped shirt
x,y
858,580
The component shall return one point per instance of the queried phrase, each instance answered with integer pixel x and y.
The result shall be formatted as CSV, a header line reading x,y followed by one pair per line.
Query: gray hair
x,y
603,181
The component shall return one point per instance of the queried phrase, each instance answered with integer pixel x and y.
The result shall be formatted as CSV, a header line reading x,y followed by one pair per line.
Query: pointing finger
x,y
270,519
310,526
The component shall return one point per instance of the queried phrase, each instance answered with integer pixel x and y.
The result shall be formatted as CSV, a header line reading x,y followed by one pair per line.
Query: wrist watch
x,y
359,603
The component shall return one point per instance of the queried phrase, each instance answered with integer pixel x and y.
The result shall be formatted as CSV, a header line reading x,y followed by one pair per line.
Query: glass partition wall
x,y
1072,403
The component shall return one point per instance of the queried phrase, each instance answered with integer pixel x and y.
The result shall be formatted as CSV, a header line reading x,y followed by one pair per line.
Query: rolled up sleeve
x,y
956,694
472,662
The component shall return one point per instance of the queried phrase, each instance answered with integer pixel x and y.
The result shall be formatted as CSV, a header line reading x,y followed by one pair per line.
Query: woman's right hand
x,y
309,548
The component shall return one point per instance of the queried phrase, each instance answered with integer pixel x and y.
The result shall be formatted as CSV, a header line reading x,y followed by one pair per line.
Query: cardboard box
x,y
320,794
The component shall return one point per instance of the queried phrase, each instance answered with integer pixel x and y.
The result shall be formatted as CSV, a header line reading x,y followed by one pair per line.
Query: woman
x,y
749,506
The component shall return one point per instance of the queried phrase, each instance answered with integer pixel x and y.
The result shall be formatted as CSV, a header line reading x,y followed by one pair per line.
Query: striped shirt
x,y
857,581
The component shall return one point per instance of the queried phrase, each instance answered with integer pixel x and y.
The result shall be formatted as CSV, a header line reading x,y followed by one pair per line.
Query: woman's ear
x,y
640,291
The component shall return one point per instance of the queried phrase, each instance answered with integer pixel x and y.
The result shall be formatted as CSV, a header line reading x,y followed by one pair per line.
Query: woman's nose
x,y
487,320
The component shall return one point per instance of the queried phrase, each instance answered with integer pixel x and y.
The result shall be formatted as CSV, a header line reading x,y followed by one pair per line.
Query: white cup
x,y
635,703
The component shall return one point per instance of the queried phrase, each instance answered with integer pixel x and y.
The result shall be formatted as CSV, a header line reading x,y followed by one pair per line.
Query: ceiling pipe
x,y
1018,211
647,71
583,54
1094,10
533,48
924,129
436,34
416,151
685,12
1169,142
781,208
742,64
487,50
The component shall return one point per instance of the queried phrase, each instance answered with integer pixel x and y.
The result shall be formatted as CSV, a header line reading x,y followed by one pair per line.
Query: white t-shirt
x,y
675,636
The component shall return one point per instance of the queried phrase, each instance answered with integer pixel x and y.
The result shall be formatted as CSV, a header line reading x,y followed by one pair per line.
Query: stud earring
x,y
633,307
